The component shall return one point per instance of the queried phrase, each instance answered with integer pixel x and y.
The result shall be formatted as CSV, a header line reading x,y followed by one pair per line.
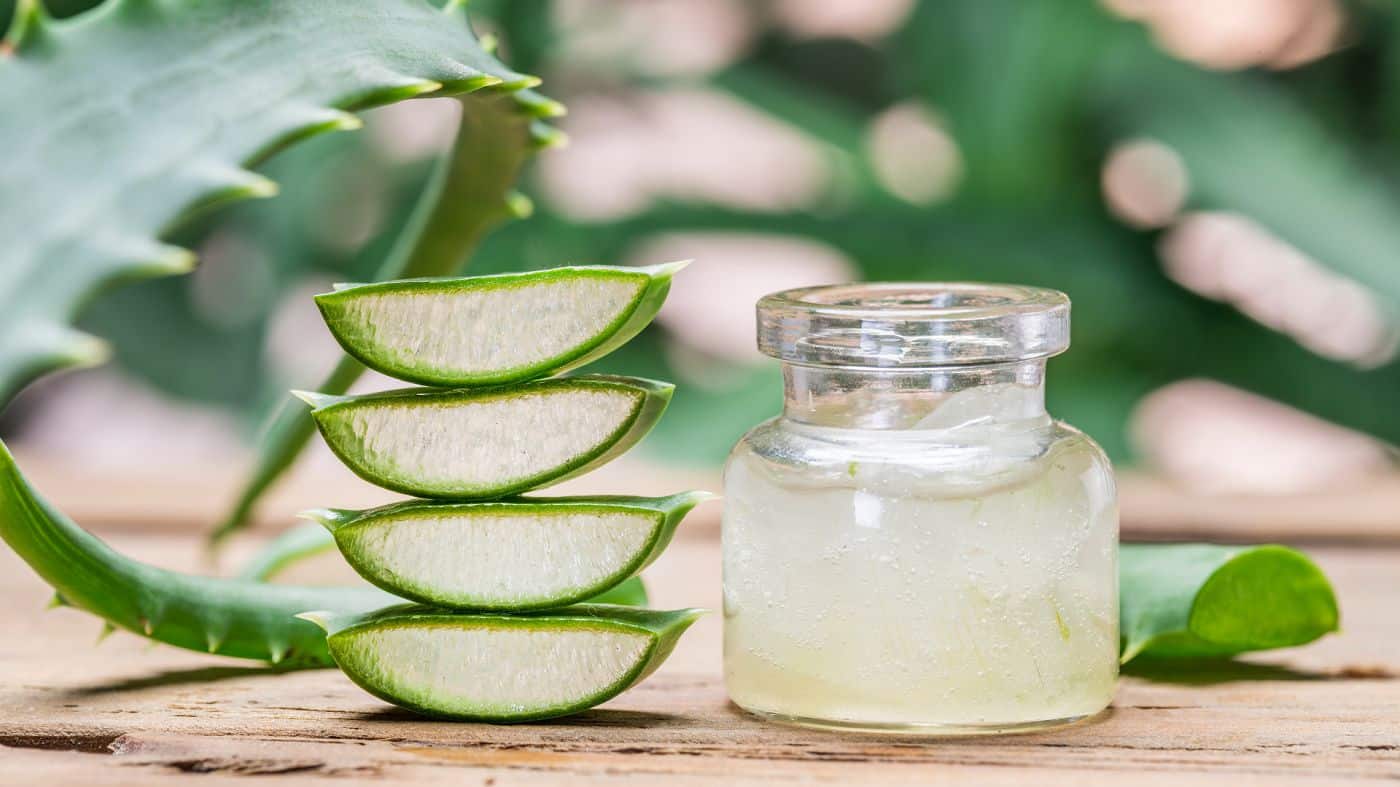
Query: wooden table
x,y
126,713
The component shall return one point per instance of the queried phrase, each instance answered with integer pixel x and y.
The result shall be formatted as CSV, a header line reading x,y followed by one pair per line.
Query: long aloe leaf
x,y
465,331
230,617
487,443
119,139
510,555
502,668
1188,600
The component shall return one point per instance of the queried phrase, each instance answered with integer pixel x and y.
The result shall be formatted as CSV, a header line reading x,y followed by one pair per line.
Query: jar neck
x,y
936,398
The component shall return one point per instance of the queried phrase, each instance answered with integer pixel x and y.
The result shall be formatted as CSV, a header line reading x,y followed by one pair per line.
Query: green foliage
x,y
1203,600
167,146
230,617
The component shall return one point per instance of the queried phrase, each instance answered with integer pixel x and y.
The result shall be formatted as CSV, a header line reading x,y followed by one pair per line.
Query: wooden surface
x,y
126,713
191,498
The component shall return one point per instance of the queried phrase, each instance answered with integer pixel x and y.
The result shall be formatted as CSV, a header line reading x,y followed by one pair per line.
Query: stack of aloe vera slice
x,y
494,629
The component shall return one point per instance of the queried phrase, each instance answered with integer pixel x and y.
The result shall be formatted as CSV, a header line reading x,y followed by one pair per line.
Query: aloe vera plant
x,y
501,668
487,443
522,554
167,148
1193,600
466,331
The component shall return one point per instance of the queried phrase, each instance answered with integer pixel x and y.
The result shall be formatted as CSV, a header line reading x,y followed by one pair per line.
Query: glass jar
x,y
915,544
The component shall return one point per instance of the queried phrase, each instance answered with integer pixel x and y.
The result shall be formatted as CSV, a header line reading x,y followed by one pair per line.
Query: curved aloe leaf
x,y
312,538
1188,600
463,331
111,138
491,442
502,668
509,555
230,617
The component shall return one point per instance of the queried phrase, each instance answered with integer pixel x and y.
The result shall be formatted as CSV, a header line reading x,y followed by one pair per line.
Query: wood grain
x,y
125,713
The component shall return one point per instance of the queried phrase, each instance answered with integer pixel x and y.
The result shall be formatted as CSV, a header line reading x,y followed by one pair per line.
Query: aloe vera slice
x,y
501,668
468,444
1206,600
473,330
510,555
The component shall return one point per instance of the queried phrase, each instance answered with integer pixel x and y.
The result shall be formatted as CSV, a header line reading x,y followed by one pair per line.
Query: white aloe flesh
x,y
495,329
502,668
473,444
529,553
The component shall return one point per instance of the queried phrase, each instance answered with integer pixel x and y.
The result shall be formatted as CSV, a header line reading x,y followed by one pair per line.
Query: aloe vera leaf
x,y
513,555
112,140
452,332
1191,600
502,668
312,538
230,617
484,443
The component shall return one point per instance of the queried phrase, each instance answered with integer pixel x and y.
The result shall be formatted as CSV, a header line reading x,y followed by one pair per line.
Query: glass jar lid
x,y
913,324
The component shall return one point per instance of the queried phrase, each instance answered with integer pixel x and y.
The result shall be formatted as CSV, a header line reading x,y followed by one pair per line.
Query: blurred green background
x,y
1214,184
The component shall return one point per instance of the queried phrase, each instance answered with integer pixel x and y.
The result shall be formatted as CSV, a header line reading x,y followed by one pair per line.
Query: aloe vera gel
x,y
915,544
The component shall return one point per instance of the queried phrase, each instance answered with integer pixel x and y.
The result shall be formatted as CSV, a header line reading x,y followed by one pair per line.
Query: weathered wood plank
x,y
124,713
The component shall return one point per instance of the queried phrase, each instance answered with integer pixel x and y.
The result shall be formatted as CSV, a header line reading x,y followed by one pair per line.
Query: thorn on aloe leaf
x,y
56,602
536,105
82,350
393,87
489,43
521,82
471,84
543,135
107,629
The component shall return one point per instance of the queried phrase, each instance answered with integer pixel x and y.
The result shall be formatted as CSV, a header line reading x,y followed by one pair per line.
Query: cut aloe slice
x,y
471,444
501,668
509,555
495,329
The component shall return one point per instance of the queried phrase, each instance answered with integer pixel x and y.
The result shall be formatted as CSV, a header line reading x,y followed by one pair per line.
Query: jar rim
x,y
913,324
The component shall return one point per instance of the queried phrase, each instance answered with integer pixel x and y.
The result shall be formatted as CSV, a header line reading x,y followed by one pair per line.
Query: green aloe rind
x,y
168,148
1205,600
229,617
502,668
486,443
312,538
461,331
509,555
